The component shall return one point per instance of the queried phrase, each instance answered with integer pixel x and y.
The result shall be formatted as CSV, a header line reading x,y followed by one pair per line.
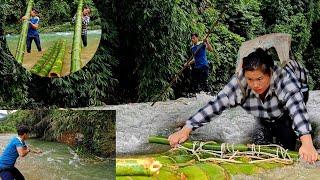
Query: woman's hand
x,y
179,137
307,150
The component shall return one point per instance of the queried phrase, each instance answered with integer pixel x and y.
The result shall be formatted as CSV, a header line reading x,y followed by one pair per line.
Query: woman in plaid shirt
x,y
271,94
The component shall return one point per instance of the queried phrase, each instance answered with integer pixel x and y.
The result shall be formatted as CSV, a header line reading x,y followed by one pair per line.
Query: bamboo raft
x,y
50,64
204,160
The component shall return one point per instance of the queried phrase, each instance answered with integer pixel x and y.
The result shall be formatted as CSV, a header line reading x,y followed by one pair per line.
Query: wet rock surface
x,y
136,122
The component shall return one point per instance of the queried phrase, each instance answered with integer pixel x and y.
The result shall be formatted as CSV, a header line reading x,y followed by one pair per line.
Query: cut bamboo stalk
x,y
137,167
23,35
57,66
47,56
77,42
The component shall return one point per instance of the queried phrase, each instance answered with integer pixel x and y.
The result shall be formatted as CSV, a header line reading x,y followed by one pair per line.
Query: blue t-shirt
x,y
33,32
10,154
201,57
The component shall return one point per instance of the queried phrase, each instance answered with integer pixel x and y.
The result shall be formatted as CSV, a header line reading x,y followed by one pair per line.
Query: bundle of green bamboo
x,y
77,43
51,61
220,149
205,160
23,35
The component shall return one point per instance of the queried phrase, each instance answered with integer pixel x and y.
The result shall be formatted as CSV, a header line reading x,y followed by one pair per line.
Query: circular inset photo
x,y
52,38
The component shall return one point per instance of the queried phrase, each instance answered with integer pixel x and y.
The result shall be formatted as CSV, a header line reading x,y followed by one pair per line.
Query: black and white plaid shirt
x,y
284,94
85,23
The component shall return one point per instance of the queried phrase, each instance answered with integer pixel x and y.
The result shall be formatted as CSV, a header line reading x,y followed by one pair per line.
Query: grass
x,y
47,40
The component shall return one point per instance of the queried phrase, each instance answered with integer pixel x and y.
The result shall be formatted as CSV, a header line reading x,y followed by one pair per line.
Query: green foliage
x,y
145,43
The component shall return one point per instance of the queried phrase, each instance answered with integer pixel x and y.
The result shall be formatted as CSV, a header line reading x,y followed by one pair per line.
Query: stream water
x,y
58,161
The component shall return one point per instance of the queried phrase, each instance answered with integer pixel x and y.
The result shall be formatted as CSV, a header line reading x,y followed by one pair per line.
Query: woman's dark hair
x,y
22,129
258,59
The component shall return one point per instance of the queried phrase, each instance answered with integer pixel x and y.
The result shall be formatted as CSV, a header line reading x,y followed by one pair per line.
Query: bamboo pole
x,y
76,45
137,167
23,35
57,66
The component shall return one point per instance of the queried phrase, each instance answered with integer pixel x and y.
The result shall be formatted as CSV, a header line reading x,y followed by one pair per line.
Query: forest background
x,y
145,43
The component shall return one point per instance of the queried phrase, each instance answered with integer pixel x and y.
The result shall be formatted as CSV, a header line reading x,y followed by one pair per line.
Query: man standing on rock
x,y
16,148
270,93
200,71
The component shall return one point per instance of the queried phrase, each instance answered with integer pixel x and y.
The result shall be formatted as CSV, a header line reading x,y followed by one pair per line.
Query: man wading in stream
x,y
273,95
16,148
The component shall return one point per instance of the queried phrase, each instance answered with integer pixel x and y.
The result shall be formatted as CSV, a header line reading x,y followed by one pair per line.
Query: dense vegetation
x,y
97,127
144,43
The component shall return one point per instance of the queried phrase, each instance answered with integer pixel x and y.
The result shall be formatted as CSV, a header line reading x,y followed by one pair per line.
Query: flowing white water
x,y
58,161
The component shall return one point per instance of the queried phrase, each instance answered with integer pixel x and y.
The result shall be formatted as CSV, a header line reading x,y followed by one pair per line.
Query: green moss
x,y
133,178
214,171
194,172
269,165
247,169
168,173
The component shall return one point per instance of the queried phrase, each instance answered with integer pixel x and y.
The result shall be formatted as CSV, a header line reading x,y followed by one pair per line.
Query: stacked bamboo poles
x,y
51,61
57,66
137,167
47,55
230,148
47,67
23,35
77,44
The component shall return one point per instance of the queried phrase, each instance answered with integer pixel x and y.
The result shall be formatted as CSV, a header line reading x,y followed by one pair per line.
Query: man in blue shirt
x,y
16,148
200,72
33,33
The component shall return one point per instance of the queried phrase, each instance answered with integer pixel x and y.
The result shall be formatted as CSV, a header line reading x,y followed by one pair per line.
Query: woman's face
x,y
258,81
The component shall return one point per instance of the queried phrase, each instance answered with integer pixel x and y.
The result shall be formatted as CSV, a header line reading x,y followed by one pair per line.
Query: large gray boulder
x,y
136,122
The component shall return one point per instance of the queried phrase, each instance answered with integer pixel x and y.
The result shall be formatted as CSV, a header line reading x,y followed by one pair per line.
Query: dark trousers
x,y
280,129
36,40
84,40
200,79
11,174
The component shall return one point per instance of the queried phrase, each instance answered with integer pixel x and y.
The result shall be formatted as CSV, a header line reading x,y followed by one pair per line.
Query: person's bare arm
x,y
23,151
208,45
189,63
34,26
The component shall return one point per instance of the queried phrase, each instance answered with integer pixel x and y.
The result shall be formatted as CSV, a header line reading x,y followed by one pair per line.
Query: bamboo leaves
x,y
23,36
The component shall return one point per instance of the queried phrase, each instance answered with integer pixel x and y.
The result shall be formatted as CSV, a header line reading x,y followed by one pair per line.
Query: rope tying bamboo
x,y
228,154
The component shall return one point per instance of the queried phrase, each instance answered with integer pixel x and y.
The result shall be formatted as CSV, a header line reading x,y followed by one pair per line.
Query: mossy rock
x,y
245,168
205,171
168,173
133,178
269,165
